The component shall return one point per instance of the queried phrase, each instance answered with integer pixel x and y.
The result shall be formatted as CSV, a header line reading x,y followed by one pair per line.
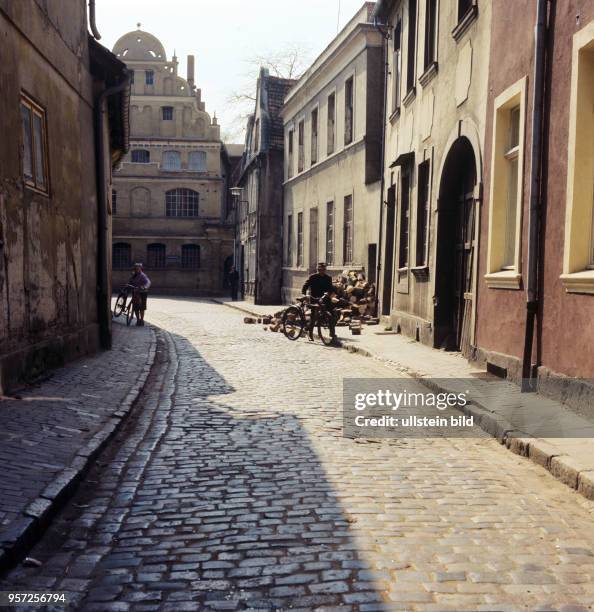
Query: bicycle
x,y
122,304
295,319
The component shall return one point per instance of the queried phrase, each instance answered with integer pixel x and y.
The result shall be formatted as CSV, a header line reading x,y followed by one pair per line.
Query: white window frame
x,y
500,274
578,254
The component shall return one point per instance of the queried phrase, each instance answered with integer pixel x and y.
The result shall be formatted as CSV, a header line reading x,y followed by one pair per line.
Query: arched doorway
x,y
455,248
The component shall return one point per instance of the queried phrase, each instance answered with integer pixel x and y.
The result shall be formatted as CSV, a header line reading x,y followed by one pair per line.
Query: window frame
x,y
169,154
133,151
350,80
202,155
431,35
578,250
114,260
348,230
114,201
35,110
411,48
331,124
167,110
150,256
329,246
300,258
301,145
423,214
314,135
502,275
195,249
404,213
397,67
290,151
289,253
181,205
149,77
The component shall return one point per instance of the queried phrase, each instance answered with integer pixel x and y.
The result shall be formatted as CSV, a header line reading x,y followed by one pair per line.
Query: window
x,y
190,256
197,161
330,233
397,67
290,240
257,137
404,218
114,202
300,239
167,113
140,156
348,111
149,77
35,162
431,23
171,160
181,203
314,136
505,212
131,76
155,256
412,45
121,258
423,209
290,156
578,256
347,244
301,152
464,6
331,123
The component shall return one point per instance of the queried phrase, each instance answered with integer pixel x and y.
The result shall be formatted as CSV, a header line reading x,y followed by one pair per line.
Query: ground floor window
x,y
190,256
121,256
156,256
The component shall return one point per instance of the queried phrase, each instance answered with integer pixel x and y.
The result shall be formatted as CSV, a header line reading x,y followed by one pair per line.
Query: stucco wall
x,y
48,275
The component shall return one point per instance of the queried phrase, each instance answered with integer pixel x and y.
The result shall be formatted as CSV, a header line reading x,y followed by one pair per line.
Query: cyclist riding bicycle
x,y
318,284
141,282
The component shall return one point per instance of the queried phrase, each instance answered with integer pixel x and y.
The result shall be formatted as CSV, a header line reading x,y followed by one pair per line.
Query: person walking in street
x,y
233,279
142,283
317,284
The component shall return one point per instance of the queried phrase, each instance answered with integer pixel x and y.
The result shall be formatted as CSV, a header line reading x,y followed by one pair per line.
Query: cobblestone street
x,y
231,487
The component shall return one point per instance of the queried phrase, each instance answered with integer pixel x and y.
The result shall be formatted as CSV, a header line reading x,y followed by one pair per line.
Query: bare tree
x,y
289,62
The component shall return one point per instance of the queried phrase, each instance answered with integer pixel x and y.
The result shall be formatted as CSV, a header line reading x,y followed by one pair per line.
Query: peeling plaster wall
x,y
48,260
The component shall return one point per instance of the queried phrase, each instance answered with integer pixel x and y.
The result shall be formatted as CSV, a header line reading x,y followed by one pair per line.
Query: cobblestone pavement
x,y
232,488
46,424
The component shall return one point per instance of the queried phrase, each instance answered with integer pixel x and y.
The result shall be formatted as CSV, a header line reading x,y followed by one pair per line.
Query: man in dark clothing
x,y
318,284
233,279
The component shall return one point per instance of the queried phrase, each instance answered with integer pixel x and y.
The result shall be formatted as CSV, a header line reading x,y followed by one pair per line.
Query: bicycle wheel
x,y
120,304
326,324
129,313
293,323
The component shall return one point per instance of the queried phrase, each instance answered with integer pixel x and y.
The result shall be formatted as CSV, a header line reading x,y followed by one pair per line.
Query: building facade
x,y
333,131
61,132
437,80
536,293
170,195
260,206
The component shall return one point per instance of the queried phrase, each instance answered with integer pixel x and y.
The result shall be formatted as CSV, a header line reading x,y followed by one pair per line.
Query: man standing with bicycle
x,y
140,281
318,284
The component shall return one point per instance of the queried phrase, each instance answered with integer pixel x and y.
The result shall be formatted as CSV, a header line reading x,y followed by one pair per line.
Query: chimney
x,y
191,71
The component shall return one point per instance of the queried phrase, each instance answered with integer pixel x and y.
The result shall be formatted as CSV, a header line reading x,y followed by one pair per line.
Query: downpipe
x,y
103,285
534,225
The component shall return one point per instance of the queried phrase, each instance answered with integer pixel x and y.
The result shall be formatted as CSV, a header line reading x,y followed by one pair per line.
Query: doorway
x,y
455,249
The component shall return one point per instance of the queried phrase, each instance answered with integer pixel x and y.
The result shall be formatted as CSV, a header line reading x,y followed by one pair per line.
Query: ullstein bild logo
x,y
403,408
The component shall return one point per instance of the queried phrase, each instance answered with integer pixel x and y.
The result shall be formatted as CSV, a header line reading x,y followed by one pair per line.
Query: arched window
x,y
190,256
155,255
171,160
181,203
197,161
121,256
141,156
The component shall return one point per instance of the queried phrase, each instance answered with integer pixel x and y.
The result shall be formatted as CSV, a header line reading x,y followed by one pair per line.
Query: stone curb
x,y
562,466
20,535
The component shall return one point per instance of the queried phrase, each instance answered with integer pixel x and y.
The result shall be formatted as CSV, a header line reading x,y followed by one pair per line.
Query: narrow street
x,y
231,487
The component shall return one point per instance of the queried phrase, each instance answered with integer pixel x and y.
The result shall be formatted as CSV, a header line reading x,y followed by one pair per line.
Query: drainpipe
x,y
103,293
386,38
534,226
93,21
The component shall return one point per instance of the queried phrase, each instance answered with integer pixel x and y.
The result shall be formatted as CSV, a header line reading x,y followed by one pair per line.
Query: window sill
x,y
429,74
421,273
395,115
579,282
507,279
465,22
410,96
36,190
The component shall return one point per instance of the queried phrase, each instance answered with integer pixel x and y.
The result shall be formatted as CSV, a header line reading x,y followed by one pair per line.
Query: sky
x,y
225,35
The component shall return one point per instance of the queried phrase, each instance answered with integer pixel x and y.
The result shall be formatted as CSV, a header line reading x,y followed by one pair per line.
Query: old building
x,y
438,66
536,279
260,206
64,101
332,128
171,192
